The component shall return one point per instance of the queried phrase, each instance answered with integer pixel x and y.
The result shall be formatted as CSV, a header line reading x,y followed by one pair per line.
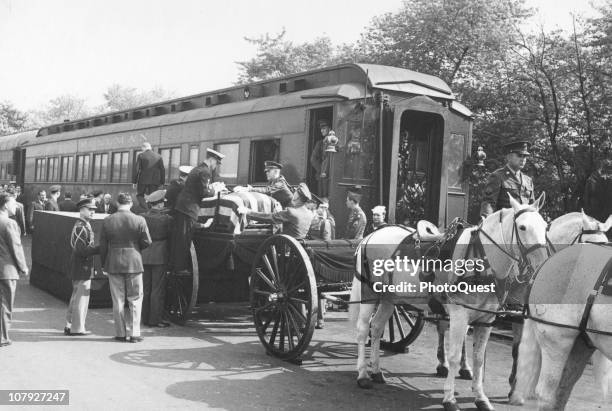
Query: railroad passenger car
x,y
403,138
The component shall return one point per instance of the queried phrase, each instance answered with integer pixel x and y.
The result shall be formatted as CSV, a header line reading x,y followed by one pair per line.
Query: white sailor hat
x,y
185,169
156,197
214,153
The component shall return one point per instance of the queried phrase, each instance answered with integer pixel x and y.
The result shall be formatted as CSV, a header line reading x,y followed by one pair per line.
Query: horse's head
x,y
519,238
530,231
577,227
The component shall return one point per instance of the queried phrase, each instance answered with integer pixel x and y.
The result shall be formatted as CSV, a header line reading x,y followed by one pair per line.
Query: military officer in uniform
x,y
51,204
277,187
319,160
197,186
295,219
176,186
81,268
357,219
155,260
509,179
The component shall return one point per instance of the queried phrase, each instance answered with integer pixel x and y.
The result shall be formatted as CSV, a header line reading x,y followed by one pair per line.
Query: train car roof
x,y
342,82
15,140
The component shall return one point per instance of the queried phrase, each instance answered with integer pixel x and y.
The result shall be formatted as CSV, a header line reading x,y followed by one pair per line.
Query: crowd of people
x,y
140,241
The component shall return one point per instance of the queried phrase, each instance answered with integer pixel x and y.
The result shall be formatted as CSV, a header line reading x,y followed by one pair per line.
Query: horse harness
x,y
600,285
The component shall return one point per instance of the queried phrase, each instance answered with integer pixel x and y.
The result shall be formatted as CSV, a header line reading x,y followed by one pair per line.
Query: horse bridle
x,y
523,261
577,239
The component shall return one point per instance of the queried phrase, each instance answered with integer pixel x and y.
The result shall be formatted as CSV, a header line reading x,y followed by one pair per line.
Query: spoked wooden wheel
x,y
404,327
182,291
283,297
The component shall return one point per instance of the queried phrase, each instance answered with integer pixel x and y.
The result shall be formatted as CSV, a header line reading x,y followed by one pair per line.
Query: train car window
x,y
229,168
262,151
41,169
67,167
172,160
82,167
120,166
194,155
100,167
53,169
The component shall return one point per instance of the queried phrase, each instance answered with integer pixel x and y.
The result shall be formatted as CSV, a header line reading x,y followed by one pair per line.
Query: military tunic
x,y
83,250
173,191
356,224
277,188
501,182
295,220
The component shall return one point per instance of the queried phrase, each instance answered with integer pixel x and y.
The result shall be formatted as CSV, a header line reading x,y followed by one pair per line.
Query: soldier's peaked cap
x,y
323,123
272,164
185,169
519,147
214,153
156,197
87,202
55,188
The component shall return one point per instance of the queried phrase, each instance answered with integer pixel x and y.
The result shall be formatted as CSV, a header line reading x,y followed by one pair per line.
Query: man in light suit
x,y
12,261
148,174
122,237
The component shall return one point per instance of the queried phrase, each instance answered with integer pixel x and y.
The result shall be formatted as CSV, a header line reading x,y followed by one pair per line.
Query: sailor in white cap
x,y
176,186
379,213
198,185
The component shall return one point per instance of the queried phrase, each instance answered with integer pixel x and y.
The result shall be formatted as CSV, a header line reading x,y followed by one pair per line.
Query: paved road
x,y
217,362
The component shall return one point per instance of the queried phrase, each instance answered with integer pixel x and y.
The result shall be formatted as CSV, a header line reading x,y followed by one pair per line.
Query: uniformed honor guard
x,y
155,260
357,220
81,268
122,238
277,186
187,208
509,180
176,186
295,219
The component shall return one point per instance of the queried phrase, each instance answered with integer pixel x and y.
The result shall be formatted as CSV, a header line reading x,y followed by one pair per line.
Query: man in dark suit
x,y
12,261
148,174
81,268
51,204
187,208
19,216
37,205
122,237
155,261
67,204
107,206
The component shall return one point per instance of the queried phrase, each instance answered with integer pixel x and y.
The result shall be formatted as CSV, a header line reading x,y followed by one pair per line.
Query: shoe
x,y
123,339
66,331
136,339
320,325
4,344
83,333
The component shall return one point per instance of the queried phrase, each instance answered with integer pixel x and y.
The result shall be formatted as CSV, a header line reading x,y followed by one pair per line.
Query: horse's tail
x,y
355,290
528,368
602,368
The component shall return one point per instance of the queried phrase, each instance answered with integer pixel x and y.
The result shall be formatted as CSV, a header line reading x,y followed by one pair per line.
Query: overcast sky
x,y
80,47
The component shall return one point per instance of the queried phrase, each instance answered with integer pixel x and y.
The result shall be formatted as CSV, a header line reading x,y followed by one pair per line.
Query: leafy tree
x,y
11,119
278,57
118,97
59,109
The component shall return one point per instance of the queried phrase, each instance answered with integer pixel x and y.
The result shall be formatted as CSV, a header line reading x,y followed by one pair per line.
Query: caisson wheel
x,y
182,291
283,297
404,327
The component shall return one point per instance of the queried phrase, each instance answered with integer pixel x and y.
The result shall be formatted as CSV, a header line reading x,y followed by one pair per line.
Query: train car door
x,y
314,135
19,156
416,168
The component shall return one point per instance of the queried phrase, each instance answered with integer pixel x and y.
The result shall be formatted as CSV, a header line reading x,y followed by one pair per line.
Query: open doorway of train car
x,y
419,167
314,135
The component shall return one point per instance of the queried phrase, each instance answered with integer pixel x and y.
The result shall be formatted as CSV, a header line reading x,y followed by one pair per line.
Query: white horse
x,y
553,353
504,238
568,229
